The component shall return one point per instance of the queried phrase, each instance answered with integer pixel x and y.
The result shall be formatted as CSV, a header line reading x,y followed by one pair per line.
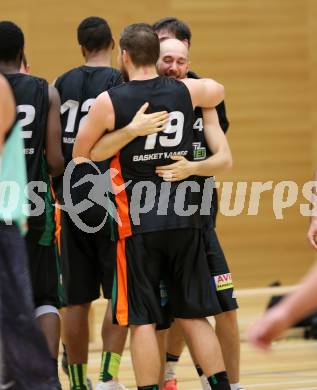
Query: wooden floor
x,y
292,364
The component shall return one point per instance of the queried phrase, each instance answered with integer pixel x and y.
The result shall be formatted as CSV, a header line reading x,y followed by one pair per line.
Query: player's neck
x,y
143,73
9,68
100,58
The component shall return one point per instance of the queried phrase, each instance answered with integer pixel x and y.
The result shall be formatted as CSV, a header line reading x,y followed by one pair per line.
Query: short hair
x,y
142,44
177,27
94,34
11,41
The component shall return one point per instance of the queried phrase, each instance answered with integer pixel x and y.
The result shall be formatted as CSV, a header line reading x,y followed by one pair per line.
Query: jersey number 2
x,y
29,117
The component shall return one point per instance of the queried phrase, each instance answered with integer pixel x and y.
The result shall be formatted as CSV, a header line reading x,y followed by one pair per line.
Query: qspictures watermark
x,y
234,198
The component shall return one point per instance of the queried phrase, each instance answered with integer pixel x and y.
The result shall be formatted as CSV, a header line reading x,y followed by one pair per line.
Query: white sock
x,y
235,386
170,371
204,382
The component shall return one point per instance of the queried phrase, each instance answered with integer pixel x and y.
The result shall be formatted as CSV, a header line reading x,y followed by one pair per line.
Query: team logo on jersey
x,y
223,282
163,293
199,152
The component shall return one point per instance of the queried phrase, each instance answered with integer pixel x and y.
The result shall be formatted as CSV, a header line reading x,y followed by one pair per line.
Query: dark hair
x,y
174,26
11,41
94,34
142,44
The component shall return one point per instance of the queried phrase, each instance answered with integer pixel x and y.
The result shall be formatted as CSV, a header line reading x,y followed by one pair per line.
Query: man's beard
x,y
172,74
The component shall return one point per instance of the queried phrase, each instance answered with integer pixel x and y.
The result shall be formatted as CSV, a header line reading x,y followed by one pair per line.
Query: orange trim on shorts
x,y
58,227
122,286
57,218
124,225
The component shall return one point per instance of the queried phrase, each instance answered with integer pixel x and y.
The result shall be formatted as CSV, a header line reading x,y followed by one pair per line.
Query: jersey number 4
x,y
175,126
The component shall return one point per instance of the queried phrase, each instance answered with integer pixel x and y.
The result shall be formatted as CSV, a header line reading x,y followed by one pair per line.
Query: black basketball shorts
x,y
88,262
221,279
160,275
43,270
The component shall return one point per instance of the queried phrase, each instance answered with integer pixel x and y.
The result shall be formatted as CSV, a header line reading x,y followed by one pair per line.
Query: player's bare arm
x,y
99,120
141,125
220,161
7,109
53,142
294,307
205,93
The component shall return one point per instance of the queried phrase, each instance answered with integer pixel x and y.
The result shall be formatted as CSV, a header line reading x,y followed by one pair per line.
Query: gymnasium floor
x,y
292,364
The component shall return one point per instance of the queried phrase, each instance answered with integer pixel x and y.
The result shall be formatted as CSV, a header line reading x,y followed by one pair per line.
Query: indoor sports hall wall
x,y
264,52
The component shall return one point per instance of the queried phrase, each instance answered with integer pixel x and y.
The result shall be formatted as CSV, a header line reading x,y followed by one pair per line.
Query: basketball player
x,y
294,307
88,260
7,110
38,114
156,246
25,67
177,65
25,359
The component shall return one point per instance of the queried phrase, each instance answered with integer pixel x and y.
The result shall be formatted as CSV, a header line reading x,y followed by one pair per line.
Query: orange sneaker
x,y
170,385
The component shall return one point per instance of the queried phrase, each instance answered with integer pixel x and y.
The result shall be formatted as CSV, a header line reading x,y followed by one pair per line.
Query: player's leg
x,y
82,285
192,300
113,336
175,346
227,328
114,339
161,336
44,280
137,302
202,341
27,360
228,334
145,356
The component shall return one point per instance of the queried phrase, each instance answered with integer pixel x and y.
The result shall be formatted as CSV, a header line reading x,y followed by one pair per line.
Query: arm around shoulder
x,y
205,93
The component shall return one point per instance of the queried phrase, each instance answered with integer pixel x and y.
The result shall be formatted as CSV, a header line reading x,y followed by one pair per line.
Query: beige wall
x,y
265,54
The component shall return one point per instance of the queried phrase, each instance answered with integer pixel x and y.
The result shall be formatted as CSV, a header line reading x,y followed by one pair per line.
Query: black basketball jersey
x,y
201,149
136,162
78,88
221,108
32,101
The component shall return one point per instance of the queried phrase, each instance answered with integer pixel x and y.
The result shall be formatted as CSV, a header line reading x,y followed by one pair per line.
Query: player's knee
x,y
228,317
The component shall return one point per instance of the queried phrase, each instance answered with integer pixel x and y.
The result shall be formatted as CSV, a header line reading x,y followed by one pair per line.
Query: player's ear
x,y
113,44
125,56
82,49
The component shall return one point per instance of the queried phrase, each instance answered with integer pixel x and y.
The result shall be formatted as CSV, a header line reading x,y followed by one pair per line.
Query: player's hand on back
x,y
145,124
